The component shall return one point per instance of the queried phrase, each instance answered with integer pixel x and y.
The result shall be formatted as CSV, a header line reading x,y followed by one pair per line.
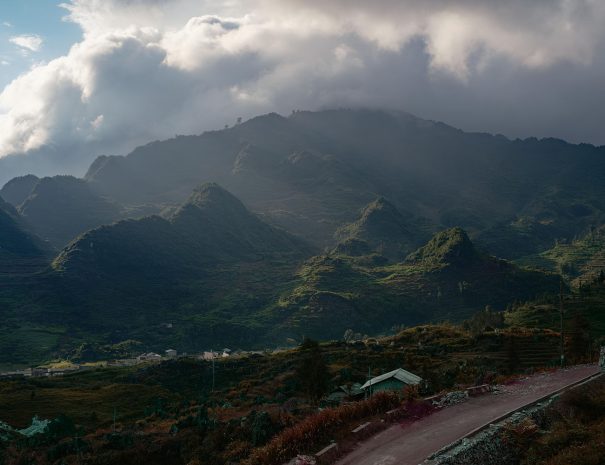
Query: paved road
x,y
412,444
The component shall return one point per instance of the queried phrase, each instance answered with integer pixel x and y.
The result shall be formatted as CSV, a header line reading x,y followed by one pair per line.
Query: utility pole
x,y
78,454
212,352
114,420
561,323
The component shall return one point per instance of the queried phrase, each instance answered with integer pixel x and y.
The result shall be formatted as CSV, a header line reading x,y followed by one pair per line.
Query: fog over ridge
x,y
148,70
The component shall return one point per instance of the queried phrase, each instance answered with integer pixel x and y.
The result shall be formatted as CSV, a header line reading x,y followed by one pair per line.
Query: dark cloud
x,y
149,70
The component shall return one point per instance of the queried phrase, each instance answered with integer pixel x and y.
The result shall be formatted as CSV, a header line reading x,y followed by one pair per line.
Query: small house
x,y
171,353
210,355
344,392
394,380
150,357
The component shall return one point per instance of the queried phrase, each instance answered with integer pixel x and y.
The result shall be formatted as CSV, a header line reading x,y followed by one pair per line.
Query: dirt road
x,y
411,445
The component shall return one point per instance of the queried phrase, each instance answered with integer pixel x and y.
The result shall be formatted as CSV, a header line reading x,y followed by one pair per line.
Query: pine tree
x,y
312,371
580,337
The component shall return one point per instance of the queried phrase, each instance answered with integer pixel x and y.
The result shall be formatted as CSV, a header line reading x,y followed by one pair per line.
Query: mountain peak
x,y
59,208
212,196
380,206
18,189
451,246
217,218
384,228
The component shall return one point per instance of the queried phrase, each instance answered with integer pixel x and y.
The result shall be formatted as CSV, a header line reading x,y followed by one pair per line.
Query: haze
x,y
142,71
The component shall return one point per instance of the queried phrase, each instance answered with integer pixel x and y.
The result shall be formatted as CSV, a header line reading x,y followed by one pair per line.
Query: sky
x,y
79,78
31,32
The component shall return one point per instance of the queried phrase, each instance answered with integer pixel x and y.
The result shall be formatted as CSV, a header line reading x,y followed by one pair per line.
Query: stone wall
x,y
491,446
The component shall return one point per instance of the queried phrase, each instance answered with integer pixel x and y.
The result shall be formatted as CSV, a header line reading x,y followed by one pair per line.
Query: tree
x,y
512,355
484,320
262,427
580,337
312,372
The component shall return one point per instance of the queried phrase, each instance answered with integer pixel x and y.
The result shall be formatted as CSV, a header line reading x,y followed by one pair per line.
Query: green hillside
x,y
208,270
240,266
583,310
215,274
384,229
19,248
446,279
578,260
62,207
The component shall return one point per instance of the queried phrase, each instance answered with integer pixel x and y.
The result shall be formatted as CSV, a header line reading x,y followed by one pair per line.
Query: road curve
x,y
412,444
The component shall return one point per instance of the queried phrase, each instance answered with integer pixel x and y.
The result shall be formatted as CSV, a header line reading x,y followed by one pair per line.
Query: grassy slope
x,y
579,260
447,279
253,303
588,302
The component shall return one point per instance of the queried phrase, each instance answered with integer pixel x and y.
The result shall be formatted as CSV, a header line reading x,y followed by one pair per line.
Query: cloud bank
x,y
151,69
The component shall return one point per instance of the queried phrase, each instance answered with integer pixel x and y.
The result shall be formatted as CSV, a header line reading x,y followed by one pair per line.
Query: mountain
x,y
21,252
214,269
62,207
211,226
447,248
217,221
219,274
18,189
312,171
384,229
209,266
448,278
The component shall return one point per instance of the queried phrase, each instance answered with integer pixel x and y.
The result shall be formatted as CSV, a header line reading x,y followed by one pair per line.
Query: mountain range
x,y
280,228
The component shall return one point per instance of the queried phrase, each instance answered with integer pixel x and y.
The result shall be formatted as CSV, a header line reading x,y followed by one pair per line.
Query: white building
x,y
151,356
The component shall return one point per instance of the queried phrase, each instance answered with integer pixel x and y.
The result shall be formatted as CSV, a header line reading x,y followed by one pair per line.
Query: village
x,y
394,380
68,367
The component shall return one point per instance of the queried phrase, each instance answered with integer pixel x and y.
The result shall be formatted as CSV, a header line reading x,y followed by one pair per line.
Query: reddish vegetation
x,y
316,430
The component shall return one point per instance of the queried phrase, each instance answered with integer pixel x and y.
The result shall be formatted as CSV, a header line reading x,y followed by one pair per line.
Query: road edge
x,y
431,461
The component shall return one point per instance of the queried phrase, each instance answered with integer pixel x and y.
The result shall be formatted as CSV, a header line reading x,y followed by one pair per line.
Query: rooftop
x,y
400,374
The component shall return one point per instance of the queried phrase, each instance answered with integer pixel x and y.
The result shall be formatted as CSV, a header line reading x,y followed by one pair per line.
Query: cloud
x,y
7,24
149,69
30,43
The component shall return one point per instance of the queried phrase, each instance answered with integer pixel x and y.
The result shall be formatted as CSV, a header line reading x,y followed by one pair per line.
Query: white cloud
x,y
148,69
4,62
7,24
29,42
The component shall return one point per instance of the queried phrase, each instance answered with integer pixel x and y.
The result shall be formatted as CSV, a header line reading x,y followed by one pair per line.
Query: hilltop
x,y
384,229
62,207
18,189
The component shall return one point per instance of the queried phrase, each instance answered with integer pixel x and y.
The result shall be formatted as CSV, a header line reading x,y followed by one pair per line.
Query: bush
x,y
315,430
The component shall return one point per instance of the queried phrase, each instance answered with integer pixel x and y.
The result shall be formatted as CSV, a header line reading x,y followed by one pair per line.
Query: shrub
x,y
315,430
